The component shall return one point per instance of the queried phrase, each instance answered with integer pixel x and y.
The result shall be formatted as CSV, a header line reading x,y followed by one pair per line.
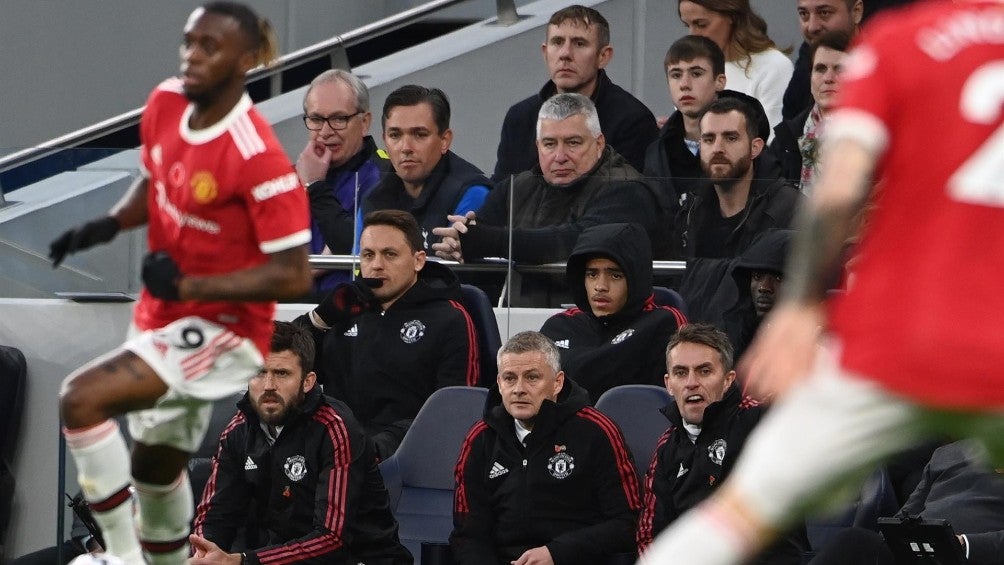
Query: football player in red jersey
x,y
905,355
227,224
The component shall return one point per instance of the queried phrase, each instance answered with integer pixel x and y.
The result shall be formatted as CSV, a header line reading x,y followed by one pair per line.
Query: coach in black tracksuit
x,y
601,349
571,488
313,494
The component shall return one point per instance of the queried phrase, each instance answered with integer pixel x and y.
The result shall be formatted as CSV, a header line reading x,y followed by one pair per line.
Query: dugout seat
x,y
668,297
419,475
13,380
636,410
489,340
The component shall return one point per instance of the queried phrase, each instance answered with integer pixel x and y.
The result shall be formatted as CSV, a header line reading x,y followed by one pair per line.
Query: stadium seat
x,y
419,475
636,409
669,297
489,340
13,380
877,499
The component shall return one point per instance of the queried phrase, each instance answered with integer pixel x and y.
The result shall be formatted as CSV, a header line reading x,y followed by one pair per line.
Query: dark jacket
x,y
448,183
785,148
684,473
627,124
958,486
768,252
626,347
772,203
385,364
798,96
314,496
333,204
572,487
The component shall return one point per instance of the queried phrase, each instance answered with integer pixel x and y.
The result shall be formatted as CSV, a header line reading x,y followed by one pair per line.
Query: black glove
x,y
79,238
161,275
345,302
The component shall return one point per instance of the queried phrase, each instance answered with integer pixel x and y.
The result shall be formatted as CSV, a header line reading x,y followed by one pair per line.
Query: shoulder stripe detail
x,y
460,503
473,350
571,312
337,495
246,137
171,84
301,237
209,491
646,519
859,126
622,456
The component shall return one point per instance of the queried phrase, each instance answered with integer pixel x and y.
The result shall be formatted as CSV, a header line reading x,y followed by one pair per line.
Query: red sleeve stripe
x,y
629,478
473,361
210,489
460,503
334,519
645,520
681,318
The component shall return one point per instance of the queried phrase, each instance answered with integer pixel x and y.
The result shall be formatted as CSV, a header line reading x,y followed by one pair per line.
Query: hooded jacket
x,y
626,347
572,487
315,495
385,364
768,252
625,121
684,473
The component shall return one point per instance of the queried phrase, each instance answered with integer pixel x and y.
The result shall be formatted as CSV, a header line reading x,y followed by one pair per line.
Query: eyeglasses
x,y
336,122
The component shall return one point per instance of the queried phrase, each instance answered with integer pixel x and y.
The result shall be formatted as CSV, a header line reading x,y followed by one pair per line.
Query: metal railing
x,y
343,262
334,48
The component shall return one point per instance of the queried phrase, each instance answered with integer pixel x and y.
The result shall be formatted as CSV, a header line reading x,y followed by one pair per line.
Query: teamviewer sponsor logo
x,y
275,187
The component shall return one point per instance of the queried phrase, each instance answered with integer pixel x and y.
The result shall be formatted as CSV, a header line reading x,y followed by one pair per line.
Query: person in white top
x,y
753,63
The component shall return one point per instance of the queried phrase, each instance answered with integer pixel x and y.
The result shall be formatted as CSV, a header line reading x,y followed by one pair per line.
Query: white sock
x,y
165,514
102,460
703,536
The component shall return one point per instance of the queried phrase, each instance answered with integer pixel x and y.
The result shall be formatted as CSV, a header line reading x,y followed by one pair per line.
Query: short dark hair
x,y
401,220
413,95
835,39
724,105
690,47
585,16
287,336
705,334
257,31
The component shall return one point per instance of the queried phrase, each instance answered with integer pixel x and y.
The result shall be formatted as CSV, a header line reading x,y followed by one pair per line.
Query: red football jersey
x,y
925,90
220,200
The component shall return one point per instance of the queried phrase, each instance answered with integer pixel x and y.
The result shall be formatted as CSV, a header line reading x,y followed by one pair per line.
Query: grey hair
x,y
566,105
529,342
352,81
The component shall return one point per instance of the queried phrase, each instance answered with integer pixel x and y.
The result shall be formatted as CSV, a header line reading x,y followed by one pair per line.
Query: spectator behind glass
x,y
606,340
429,181
796,141
817,17
339,165
576,50
753,65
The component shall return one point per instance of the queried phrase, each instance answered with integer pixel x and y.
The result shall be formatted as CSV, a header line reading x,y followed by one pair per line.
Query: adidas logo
x,y
249,465
497,471
562,343
353,331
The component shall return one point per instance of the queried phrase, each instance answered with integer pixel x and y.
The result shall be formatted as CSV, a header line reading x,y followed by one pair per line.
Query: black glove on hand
x,y
161,275
345,302
81,237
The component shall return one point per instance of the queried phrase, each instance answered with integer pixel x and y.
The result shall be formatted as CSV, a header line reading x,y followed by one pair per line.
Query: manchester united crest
x,y
204,188
622,336
295,467
561,465
412,331
716,451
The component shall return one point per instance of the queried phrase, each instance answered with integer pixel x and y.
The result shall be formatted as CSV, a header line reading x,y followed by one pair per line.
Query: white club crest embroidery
x,y
295,467
412,331
561,465
622,336
716,451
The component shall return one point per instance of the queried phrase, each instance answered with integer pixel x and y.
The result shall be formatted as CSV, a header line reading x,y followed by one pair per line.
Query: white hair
x,y
566,105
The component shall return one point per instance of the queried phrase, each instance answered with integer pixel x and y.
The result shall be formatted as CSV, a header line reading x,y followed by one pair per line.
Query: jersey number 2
x,y
980,180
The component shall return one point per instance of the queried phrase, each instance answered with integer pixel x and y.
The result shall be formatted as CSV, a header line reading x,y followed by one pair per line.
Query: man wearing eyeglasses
x,y
340,164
